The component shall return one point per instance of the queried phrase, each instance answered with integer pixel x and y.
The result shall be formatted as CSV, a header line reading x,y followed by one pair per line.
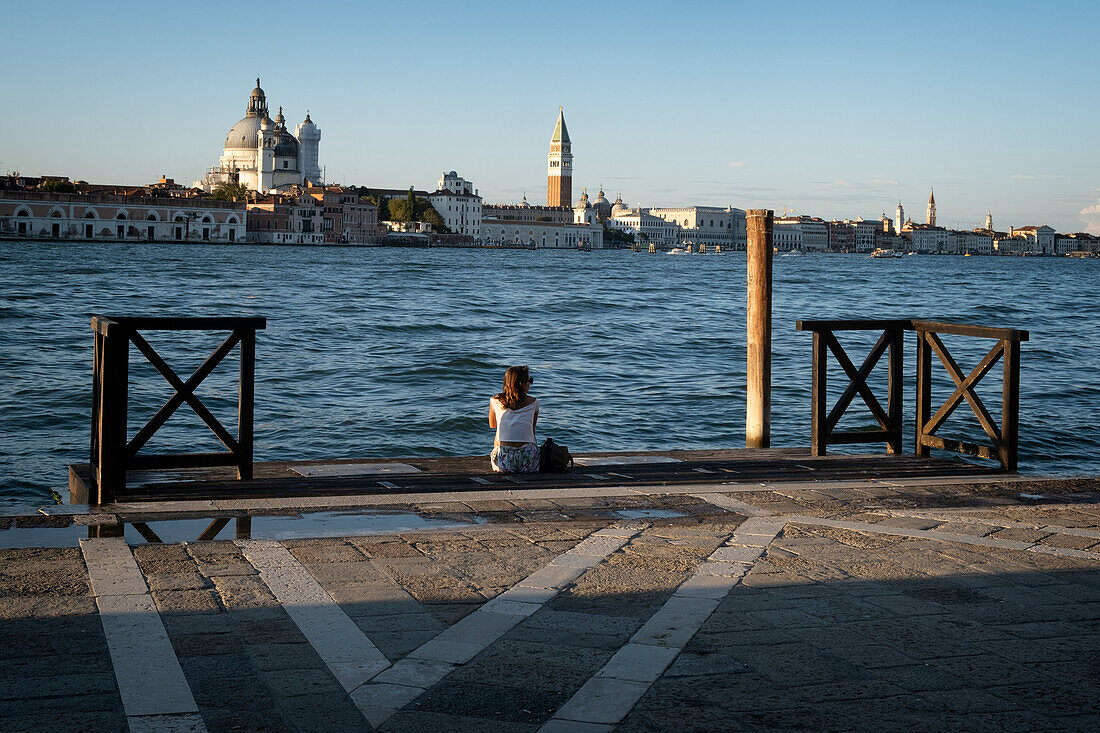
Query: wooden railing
x,y
1005,437
112,455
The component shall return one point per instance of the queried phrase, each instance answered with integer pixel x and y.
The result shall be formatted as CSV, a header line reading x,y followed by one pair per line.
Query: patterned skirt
x,y
515,458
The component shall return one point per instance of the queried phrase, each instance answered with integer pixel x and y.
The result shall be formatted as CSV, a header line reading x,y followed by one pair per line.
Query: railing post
x,y
1010,405
759,317
246,403
819,438
894,387
110,445
924,392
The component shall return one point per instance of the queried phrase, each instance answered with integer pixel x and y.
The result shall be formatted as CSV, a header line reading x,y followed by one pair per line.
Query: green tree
x,y
383,206
54,185
232,192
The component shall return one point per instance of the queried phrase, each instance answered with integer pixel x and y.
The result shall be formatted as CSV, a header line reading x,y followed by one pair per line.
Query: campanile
x,y
559,166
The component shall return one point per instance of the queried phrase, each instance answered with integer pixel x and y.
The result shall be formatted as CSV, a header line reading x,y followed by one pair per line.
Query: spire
x,y
932,197
561,133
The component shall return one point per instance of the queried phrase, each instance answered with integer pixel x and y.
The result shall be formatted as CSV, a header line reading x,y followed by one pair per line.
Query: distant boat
x,y
677,251
886,253
791,253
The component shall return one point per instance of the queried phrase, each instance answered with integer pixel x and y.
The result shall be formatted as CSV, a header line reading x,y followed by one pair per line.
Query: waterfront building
x,y
646,227
805,233
931,208
1065,244
541,234
712,226
459,204
524,211
263,155
929,239
345,218
1034,239
286,219
119,214
559,166
842,236
976,242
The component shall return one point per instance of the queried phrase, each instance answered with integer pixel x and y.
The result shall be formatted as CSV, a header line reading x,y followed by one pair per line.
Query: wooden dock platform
x,y
650,469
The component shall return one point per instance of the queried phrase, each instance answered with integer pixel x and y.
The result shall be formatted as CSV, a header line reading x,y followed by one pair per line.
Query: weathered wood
x,y
246,401
818,421
146,532
858,436
185,392
185,323
1010,406
894,379
759,323
213,529
852,325
964,387
961,446
857,381
962,329
972,398
924,392
110,463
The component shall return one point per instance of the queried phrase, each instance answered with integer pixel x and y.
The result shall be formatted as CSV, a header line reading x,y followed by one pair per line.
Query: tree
x,y
383,205
232,192
54,185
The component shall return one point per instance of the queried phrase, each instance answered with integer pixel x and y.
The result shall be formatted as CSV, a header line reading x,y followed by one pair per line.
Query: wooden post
x,y
894,387
246,404
1010,405
759,317
924,392
819,438
110,463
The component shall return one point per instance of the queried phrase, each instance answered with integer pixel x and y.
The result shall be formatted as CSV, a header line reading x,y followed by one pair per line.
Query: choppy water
x,y
395,352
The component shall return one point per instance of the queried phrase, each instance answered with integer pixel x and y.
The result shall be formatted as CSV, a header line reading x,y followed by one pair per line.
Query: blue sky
x,y
835,109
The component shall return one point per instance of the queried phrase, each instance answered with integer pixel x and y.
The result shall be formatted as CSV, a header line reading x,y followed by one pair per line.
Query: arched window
x,y
121,216
151,217
55,214
21,227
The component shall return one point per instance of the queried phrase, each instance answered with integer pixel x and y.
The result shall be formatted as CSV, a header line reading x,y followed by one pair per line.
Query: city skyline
x,y
835,114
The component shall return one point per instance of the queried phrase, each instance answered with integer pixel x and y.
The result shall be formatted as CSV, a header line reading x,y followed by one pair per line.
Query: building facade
x,y
120,218
708,226
524,211
458,203
541,234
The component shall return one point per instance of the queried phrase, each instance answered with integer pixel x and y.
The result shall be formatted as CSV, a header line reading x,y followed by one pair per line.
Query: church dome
x,y
286,146
243,135
583,202
601,199
619,207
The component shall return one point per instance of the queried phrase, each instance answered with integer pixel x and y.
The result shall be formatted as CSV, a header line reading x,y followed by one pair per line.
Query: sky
x,y
834,109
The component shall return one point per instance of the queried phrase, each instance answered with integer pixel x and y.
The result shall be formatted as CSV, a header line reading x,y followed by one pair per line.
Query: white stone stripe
x,y
932,534
609,696
435,659
734,505
150,679
345,649
958,516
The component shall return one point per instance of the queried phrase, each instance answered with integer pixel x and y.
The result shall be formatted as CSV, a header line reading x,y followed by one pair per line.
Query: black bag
x,y
554,458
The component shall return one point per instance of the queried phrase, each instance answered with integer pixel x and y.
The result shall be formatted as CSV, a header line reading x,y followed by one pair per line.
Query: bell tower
x,y
932,209
559,166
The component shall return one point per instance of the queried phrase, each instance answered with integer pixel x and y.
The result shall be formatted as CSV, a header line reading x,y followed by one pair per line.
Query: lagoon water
x,y
379,352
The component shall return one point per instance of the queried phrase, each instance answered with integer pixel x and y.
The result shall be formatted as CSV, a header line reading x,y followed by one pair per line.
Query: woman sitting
x,y
514,413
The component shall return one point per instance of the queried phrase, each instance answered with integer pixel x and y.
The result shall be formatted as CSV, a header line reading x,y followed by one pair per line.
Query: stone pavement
x,y
919,605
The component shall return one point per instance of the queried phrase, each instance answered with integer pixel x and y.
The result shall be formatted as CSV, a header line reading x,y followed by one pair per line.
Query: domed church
x,y
262,154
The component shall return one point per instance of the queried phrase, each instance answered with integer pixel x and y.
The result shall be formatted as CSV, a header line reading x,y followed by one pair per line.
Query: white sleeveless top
x,y
515,426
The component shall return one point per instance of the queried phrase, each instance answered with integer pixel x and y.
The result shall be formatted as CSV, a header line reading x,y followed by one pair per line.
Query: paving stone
x,y
676,622
417,721
602,700
639,662
420,673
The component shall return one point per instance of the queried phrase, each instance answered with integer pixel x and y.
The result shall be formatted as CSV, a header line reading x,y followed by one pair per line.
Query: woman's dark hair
x,y
515,387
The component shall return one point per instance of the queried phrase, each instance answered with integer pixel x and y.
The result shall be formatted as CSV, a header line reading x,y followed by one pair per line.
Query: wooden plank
x,y
960,329
212,529
852,325
246,404
961,446
819,432
187,323
895,378
113,376
1010,406
924,392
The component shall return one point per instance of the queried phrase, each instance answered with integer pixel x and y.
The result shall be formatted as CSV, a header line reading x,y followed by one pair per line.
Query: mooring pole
x,y
759,320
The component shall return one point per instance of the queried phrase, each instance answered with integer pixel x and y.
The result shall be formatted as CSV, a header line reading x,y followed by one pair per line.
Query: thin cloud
x,y
884,181
1034,176
737,164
